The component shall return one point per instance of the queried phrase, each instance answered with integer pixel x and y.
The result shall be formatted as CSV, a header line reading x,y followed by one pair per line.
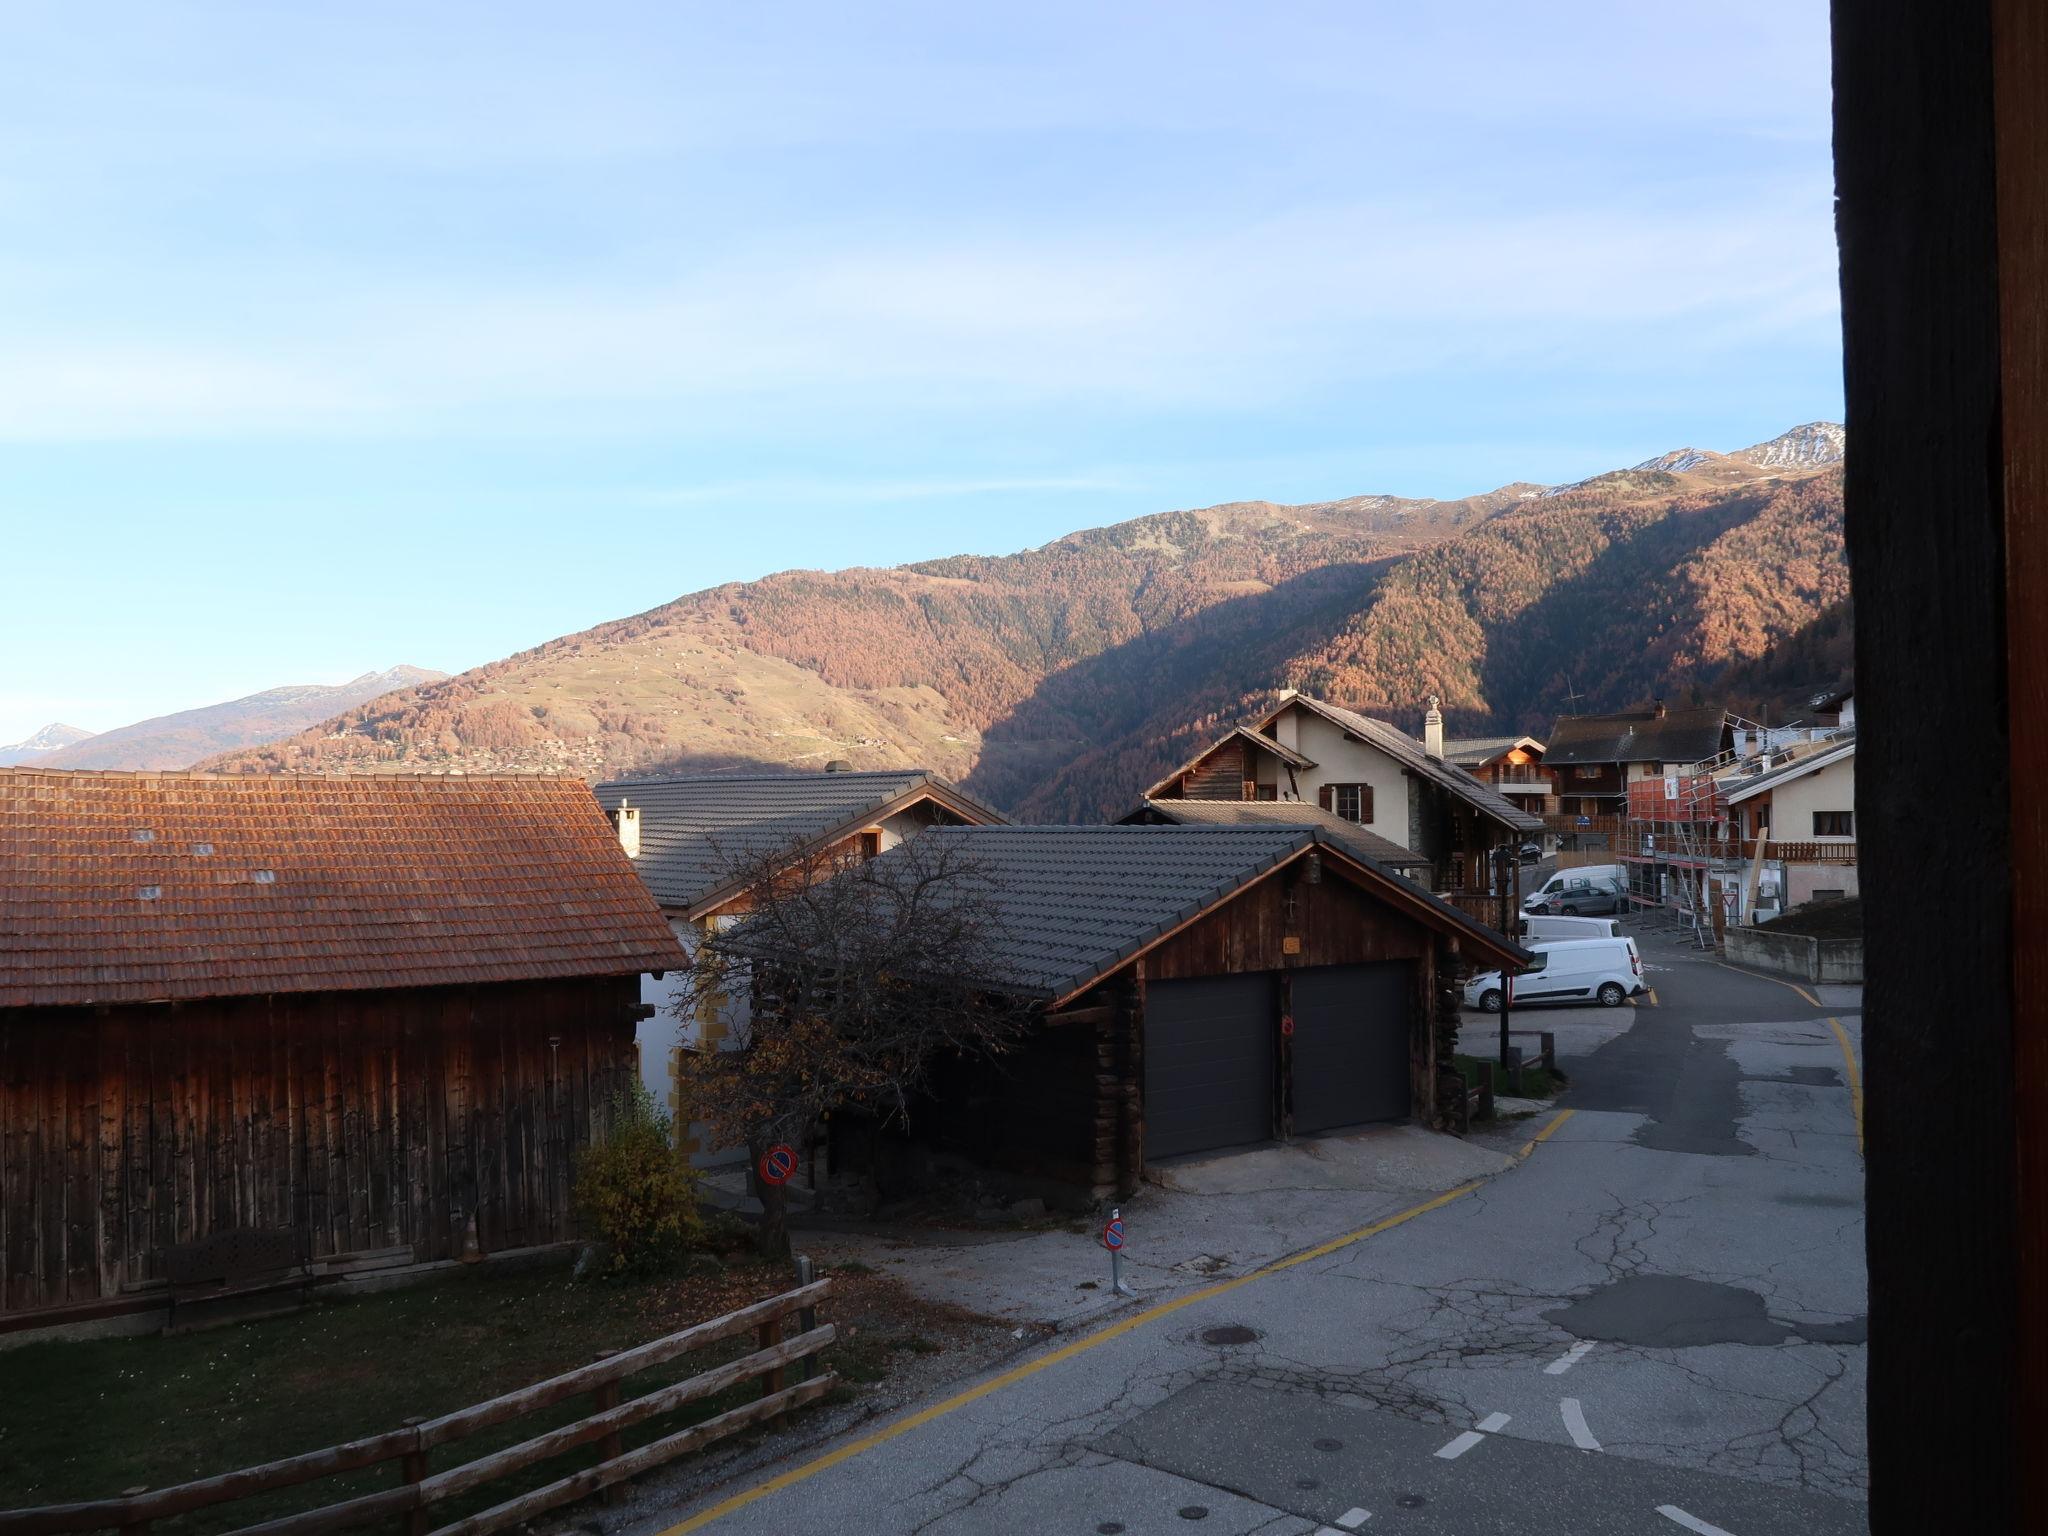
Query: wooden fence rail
x,y
771,1361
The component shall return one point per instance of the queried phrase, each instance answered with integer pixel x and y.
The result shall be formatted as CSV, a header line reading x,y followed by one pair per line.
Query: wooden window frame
x,y
1846,829
1326,797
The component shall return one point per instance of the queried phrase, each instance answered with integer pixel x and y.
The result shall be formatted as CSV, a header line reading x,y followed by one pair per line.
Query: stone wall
x,y
1793,954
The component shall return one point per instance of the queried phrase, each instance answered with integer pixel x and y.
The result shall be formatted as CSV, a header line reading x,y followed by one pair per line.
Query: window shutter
x,y
1364,804
1323,797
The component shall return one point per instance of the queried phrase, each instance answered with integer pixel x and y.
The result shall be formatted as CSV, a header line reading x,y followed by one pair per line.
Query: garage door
x,y
1351,1044
1208,1063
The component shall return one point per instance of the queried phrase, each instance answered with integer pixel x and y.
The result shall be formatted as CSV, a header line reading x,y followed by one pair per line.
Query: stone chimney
x,y
627,819
1433,730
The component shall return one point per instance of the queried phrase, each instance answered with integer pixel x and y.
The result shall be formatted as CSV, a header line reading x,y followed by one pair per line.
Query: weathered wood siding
x,y
1219,776
357,1120
1336,922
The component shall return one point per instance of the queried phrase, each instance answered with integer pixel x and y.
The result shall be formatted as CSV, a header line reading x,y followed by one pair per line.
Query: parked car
x,y
1535,900
1530,853
1539,929
1587,898
1606,971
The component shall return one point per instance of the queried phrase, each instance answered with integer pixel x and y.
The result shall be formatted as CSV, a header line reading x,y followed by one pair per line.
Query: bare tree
x,y
845,979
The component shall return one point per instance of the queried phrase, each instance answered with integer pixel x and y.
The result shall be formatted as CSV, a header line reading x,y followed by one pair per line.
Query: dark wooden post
x,y
606,1396
413,1468
767,1336
806,1318
1284,1026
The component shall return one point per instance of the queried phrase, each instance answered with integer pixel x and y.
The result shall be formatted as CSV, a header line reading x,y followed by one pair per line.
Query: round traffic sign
x,y
778,1163
1287,1025
1113,1234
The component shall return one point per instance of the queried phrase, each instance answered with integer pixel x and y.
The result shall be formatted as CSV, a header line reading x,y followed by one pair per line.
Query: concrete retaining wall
x,y
1792,954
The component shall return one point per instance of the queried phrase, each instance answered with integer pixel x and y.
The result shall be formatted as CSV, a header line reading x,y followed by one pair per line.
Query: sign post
x,y
1113,1240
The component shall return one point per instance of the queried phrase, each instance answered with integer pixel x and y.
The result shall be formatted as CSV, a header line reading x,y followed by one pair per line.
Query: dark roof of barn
x,y
698,832
1383,851
144,887
1407,751
1638,736
1073,904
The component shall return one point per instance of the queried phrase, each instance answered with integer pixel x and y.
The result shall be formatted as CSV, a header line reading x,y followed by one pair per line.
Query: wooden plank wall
x,y
360,1120
1336,922
1219,776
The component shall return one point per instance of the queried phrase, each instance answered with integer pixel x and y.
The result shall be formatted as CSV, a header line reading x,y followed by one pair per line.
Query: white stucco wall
x,y
1340,760
1832,788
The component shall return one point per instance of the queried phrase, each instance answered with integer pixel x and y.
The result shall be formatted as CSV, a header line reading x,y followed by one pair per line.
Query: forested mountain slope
x,y
1058,681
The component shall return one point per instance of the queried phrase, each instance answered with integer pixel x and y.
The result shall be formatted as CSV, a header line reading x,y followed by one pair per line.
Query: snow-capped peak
x,y
1676,462
1807,447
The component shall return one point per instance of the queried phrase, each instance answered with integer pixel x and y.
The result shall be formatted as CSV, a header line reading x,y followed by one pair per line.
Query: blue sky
x,y
338,336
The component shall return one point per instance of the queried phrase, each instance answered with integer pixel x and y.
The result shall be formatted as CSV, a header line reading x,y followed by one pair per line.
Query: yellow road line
x,y
1779,980
1653,999
1080,1346
1855,1078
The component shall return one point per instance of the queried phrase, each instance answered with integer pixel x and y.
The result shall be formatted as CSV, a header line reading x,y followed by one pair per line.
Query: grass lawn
x,y
1536,1079
87,1420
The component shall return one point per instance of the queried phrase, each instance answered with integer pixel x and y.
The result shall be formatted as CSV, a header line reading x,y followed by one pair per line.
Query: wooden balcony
x,y
1812,853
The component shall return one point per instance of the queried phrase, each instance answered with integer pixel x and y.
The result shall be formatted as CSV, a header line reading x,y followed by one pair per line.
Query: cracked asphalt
x,y
1658,1313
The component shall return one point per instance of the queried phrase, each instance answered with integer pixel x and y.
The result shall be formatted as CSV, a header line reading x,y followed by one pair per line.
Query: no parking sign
x,y
1113,1234
778,1163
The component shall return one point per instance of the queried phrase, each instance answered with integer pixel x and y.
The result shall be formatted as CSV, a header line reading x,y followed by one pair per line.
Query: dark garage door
x,y
1351,1044
1208,1063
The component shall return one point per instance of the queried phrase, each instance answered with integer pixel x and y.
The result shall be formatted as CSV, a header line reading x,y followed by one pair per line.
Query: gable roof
x,y
697,830
1639,736
1287,755
144,887
1746,786
1286,813
1407,751
1471,751
1074,904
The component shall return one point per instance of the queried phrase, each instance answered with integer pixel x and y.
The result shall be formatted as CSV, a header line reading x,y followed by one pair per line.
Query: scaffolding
x,y
1679,838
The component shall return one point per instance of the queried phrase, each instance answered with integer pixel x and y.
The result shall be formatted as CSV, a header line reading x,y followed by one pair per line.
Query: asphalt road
x,y
1652,1324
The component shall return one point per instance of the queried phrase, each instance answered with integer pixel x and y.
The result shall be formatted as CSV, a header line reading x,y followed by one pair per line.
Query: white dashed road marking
x,y
1575,1424
1352,1519
1488,1425
1692,1523
1569,1358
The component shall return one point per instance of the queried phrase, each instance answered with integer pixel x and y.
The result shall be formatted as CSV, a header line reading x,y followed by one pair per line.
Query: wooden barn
x,y
1201,987
371,1015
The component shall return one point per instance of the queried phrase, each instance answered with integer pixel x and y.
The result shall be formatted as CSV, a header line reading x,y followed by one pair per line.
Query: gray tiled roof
x,y
1407,751
1074,903
696,831
1288,813
1638,736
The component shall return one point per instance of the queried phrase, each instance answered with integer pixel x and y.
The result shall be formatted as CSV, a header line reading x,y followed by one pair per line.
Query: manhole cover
x,y
1306,1484
1230,1333
1194,1512
1110,1528
1411,1501
1329,1445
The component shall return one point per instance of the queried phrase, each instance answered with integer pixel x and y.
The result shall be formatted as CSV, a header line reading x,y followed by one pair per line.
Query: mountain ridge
x,y
184,737
1055,679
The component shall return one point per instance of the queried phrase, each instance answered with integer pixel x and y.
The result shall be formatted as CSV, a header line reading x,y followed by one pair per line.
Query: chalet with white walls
x,y
1796,820
694,840
1366,772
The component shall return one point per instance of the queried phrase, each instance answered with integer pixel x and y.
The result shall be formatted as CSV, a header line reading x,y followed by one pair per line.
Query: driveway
x,y
1652,1323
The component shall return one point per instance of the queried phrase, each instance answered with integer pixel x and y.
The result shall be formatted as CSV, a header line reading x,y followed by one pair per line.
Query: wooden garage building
x,y
372,1013
1201,987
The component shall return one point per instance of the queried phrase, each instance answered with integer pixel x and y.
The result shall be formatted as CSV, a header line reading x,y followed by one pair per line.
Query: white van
x,y
1557,882
1603,971
1538,929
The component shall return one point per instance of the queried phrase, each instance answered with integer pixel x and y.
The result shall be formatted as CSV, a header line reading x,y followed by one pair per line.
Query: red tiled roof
x,y
136,887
